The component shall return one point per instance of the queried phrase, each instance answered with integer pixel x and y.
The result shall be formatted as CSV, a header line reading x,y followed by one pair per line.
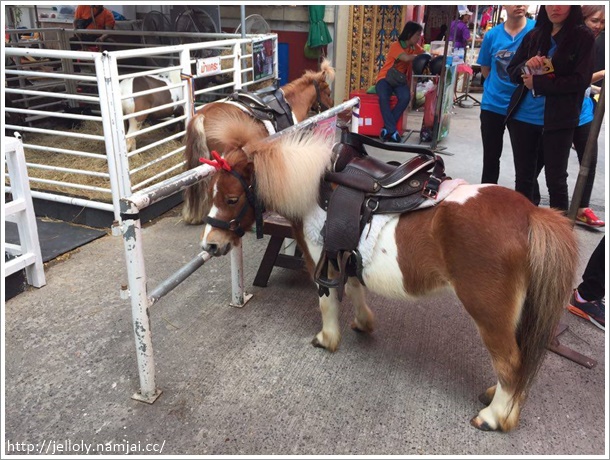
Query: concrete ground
x,y
247,381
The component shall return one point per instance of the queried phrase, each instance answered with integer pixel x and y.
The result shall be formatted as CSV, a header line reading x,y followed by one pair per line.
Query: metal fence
x,y
50,92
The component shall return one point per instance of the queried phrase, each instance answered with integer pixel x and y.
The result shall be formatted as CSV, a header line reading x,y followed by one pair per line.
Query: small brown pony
x,y
148,101
513,271
209,129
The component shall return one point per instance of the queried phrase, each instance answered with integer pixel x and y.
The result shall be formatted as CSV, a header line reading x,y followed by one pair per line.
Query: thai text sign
x,y
208,66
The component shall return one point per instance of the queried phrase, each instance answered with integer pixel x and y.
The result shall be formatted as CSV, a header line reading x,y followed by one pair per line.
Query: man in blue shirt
x,y
459,33
498,47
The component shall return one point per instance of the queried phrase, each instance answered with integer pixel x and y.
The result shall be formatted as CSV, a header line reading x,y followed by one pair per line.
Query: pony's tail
x,y
553,252
196,202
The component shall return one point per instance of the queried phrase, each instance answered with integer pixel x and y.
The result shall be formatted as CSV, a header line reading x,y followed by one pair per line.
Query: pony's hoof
x,y
323,341
481,424
361,329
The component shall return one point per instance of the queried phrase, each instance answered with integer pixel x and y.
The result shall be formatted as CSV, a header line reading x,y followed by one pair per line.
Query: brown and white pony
x,y
148,101
513,271
211,129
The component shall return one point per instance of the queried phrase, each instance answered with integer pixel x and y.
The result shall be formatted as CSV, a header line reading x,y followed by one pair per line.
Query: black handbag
x,y
82,23
395,77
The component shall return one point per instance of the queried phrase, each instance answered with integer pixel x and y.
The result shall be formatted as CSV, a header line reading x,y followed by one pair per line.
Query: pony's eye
x,y
232,200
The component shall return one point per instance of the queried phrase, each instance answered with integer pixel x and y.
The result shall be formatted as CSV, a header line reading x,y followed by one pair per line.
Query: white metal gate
x,y
41,82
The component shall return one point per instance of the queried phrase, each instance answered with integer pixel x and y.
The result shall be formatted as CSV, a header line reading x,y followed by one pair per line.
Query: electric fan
x,y
255,24
155,22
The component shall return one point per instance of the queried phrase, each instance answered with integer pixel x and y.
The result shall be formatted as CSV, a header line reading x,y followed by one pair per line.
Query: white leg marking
x,y
330,335
499,409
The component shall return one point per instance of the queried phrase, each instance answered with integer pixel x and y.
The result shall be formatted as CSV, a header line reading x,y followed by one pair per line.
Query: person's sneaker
x,y
395,137
383,135
594,311
588,217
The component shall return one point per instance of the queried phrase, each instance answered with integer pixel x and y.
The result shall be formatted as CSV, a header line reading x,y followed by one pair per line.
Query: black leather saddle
x,y
273,107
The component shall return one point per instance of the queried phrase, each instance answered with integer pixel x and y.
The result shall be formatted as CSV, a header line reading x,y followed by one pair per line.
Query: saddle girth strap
x,y
341,236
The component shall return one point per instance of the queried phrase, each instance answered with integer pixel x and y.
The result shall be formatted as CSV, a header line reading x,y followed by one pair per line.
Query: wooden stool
x,y
279,228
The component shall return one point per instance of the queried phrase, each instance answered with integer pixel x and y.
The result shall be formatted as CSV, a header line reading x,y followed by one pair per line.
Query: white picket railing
x,y
21,211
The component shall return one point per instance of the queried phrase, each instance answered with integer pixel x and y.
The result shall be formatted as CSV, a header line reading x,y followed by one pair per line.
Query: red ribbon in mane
x,y
218,162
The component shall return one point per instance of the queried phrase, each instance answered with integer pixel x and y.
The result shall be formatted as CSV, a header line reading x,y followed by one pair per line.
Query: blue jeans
x,y
384,92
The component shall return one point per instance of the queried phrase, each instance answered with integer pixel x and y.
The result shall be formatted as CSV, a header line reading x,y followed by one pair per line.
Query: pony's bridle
x,y
319,106
234,225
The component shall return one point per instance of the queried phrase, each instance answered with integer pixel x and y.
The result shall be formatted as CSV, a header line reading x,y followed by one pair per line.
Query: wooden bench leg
x,y
268,262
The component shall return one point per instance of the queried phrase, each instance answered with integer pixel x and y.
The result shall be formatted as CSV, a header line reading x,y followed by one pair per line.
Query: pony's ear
x,y
249,170
327,69
252,148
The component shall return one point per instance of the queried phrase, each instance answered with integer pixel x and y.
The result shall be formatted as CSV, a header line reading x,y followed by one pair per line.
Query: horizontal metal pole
x,y
157,160
139,52
59,54
62,76
158,89
70,185
156,144
316,119
27,129
76,153
157,176
73,116
178,277
156,126
68,170
69,200
153,109
29,92
157,192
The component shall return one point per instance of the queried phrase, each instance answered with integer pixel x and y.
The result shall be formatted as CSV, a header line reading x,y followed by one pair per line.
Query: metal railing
x,y
46,88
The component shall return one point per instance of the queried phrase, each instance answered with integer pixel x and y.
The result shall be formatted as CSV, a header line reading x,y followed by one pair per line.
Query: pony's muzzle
x,y
211,244
216,250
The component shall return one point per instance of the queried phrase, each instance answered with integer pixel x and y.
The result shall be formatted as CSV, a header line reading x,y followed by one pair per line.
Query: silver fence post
x,y
136,272
238,295
114,132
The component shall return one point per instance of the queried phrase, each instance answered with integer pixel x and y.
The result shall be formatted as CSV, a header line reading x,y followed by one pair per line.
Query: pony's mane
x,y
235,130
288,172
326,70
